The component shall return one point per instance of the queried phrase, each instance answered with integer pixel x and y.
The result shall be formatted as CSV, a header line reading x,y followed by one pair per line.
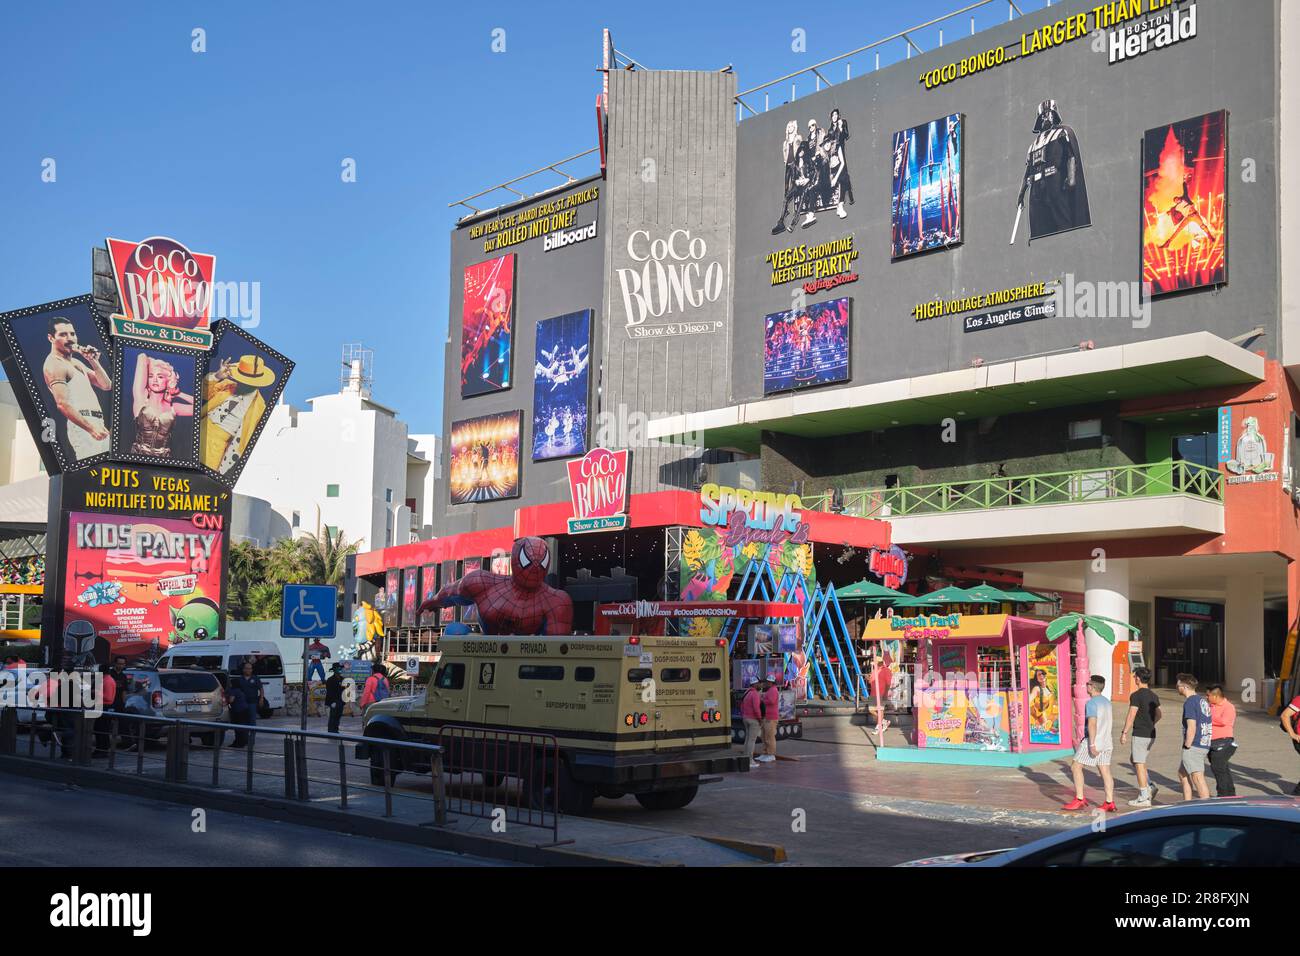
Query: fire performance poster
x,y
1185,204
136,579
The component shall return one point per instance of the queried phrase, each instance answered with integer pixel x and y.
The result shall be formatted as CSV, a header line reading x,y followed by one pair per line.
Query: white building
x,y
346,464
19,459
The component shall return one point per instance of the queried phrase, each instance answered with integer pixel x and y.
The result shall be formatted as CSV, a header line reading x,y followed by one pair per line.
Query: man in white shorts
x,y
1095,748
72,373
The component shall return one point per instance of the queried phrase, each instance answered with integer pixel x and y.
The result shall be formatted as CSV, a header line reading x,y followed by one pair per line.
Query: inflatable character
x,y
198,619
520,602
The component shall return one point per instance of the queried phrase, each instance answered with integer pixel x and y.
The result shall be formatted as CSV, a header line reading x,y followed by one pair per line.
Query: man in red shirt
x,y
1291,724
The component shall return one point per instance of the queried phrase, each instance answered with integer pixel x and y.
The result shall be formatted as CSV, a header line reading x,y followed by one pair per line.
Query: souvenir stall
x,y
985,689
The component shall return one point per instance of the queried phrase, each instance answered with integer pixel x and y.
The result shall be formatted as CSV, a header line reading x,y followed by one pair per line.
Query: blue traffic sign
x,y
307,610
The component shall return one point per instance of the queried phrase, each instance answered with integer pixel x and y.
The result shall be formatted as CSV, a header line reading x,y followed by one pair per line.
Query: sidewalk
x,y
839,754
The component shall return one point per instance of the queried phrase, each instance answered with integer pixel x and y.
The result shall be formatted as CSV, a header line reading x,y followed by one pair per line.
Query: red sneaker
x,y
1109,807
1078,803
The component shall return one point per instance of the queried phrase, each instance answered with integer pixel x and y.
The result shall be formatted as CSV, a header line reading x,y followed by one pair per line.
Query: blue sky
x,y
237,151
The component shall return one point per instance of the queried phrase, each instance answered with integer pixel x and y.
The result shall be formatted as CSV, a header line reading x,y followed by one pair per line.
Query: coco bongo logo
x,y
598,491
166,291
675,277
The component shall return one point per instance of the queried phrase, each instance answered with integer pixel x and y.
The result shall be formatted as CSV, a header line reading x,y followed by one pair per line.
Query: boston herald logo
x,y
1158,31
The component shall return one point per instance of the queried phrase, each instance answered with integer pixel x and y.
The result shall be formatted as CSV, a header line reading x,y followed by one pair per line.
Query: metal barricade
x,y
79,736
493,757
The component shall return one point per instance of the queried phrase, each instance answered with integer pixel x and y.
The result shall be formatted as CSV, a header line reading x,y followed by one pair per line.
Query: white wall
x,y
345,440
19,459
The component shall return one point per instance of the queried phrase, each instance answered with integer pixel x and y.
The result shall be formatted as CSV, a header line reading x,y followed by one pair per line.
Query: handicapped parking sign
x,y
307,610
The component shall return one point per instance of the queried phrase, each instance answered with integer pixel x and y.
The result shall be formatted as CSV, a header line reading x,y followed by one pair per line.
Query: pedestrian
x,y
244,696
1223,746
882,676
1143,715
376,688
1096,747
317,655
334,696
751,712
769,712
120,681
1291,724
1198,732
103,723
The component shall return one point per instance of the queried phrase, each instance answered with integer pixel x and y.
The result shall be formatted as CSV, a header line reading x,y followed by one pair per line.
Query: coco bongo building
x,y
1014,307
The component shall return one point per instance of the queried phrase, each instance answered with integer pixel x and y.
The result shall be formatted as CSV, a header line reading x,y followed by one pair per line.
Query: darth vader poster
x,y
1053,188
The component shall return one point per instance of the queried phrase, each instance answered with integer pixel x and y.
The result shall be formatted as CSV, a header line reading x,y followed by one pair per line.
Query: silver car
x,y
175,692
1231,831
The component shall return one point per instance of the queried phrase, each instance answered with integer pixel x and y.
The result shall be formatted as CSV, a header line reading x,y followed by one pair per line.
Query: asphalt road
x,y
73,827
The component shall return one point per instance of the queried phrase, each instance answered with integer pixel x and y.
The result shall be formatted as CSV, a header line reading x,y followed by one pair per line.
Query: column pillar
x,y
1243,639
1105,593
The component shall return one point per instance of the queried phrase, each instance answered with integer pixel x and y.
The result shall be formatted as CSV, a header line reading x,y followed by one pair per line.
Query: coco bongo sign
x,y
598,491
166,291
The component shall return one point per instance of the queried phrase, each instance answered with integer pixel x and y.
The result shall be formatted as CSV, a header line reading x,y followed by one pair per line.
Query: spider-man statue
x,y
520,602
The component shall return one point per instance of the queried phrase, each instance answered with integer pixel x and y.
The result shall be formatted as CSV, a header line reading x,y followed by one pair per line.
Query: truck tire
x,y
493,779
667,799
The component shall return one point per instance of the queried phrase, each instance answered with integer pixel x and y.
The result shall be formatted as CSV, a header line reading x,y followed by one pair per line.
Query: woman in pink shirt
x,y
751,711
1223,717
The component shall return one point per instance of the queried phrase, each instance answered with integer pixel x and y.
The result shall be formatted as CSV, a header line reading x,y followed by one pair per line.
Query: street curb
x,y
767,852
287,811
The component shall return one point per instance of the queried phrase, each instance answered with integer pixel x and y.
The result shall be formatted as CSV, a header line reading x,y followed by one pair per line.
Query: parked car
x,y
1232,831
229,656
175,692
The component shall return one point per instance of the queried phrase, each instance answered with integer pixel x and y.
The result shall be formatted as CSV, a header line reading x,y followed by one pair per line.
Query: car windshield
x,y
196,682
264,665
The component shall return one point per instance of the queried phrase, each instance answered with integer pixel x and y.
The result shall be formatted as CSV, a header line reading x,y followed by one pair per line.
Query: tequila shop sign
x,y
759,517
166,291
598,491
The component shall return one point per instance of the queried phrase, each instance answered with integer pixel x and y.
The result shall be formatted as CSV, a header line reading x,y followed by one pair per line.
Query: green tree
x,y
286,563
247,566
325,559
264,601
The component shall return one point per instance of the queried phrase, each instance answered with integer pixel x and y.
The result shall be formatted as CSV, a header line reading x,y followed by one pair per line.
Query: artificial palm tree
x,y
1081,623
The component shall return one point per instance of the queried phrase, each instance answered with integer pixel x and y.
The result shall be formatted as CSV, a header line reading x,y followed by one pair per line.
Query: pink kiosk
x,y
985,689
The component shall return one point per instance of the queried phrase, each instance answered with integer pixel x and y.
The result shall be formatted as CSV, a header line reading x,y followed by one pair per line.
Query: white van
x,y
229,656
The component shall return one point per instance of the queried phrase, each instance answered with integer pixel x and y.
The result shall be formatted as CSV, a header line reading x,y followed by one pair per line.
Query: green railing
x,y
1064,487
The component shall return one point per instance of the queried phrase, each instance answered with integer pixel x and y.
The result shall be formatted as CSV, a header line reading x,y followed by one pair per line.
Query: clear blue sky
x,y
237,151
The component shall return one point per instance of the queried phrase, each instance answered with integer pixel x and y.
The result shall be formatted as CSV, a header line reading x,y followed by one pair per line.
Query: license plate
x,y
190,708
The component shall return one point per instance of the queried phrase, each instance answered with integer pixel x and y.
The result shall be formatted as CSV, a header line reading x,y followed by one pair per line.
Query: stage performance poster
x,y
560,386
926,207
485,458
487,326
807,347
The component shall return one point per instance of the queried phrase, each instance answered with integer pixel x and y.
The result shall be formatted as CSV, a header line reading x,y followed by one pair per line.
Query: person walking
x,y
334,696
317,655
1198,732
1096,747
1291,724
376,688
751,712
882,676
1143,715
1223,746
244,696
769,713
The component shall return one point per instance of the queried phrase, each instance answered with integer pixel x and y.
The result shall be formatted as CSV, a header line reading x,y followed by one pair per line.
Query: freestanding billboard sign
x,y
143,428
